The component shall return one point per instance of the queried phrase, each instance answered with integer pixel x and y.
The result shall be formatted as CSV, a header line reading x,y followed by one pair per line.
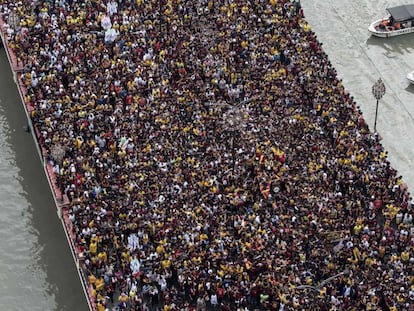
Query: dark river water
x,y
37,271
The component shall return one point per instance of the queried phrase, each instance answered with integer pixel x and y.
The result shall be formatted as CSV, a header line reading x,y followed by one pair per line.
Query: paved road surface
x,y
361,59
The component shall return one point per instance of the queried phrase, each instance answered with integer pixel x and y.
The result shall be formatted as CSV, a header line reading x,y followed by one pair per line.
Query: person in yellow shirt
x,y
100,306
405,256
99,284
102,256
166,263
91,279
93,247
160,249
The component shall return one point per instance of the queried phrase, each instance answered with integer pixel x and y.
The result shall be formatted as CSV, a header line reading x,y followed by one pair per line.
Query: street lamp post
x,y
14,21
160,16
233,123
57,153
378,90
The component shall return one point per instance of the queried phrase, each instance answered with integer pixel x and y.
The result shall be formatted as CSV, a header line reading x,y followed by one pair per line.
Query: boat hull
x,y
387,33
410,77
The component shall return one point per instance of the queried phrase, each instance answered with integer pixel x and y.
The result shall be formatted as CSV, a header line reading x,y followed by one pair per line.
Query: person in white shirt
x,y
112,8
213,300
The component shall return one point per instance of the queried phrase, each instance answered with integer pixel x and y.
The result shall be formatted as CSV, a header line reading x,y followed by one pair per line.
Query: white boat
x,y
410,77
400,21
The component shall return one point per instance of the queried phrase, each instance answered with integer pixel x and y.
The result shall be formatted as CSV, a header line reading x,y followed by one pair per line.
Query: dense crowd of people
x,y
212,158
